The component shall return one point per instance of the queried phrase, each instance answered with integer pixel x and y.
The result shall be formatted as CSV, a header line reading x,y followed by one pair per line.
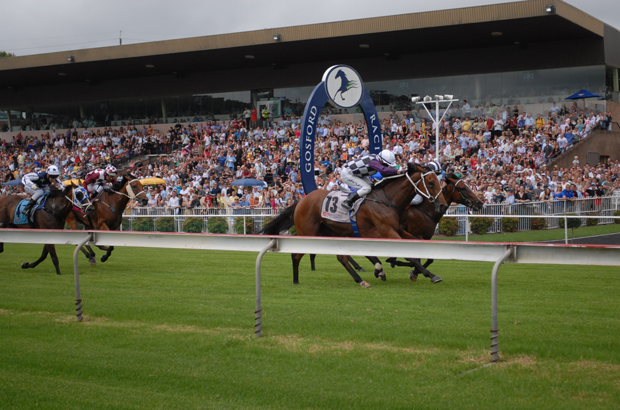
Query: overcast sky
x,y
44,26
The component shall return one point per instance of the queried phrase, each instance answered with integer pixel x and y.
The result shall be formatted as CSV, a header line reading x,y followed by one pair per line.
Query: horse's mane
x,y
54,193
452,175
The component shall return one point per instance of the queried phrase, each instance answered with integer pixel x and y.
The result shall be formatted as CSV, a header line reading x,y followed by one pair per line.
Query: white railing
x,y
601,209
480,252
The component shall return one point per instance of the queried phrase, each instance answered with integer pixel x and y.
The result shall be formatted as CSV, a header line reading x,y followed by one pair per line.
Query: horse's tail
x,y
282,222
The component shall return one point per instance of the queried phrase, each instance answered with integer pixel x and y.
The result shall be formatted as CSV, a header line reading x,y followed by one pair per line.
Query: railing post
x,y
494,328
244,225
466,228
565,230
258,311
76,274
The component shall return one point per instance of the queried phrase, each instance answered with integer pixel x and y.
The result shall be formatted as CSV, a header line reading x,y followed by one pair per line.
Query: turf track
x,y
173,329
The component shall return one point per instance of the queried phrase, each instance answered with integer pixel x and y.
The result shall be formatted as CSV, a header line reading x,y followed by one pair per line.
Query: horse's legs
x,y
90,255
34,264
419,268
1,247
312,258
107,255
379,273
296,257
394,262
343,259
52,251
356,265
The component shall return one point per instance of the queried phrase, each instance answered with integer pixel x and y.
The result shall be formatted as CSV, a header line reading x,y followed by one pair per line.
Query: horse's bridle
x,y
426,194
130,194
456,188
83,207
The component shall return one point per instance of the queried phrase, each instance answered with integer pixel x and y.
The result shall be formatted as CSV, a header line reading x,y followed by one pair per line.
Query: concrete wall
x,y
604,142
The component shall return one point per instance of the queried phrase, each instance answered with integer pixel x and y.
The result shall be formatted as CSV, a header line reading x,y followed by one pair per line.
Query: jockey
x,y
98,180
38,183
353,174
436,167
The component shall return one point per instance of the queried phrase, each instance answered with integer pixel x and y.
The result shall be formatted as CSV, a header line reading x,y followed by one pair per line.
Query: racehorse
x,y
109,208
422,221
52,216
345,84
378,217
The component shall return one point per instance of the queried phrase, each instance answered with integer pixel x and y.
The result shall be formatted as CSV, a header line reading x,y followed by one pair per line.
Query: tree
x,y
6,54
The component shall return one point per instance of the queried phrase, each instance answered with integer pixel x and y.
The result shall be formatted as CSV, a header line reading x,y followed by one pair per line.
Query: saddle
x,y
332,209
20,218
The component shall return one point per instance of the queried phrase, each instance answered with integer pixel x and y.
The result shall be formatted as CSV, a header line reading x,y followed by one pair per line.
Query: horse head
x,y
81,199
134,189
428,186
462,193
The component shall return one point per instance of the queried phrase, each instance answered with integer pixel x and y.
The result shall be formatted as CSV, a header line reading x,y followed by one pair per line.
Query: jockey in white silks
x,y
38,184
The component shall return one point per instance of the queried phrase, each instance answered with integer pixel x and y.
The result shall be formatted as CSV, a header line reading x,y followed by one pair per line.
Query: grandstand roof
x,y
521,23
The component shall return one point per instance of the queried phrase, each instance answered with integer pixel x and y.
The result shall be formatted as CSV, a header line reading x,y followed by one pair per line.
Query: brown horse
x,y
109,208
378,217
52,216
422,221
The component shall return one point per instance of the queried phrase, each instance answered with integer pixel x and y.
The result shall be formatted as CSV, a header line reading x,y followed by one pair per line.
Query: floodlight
x,y
448,97
70,59
438,97
428,98
415,99
276,37
550,9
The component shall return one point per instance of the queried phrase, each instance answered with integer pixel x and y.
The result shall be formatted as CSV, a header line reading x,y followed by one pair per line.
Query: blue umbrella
x,y
247,182
14,182
582,94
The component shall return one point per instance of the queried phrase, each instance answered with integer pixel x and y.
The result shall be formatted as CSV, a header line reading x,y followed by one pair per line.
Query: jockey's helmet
x,y
53,171
387,157
110,170
435,166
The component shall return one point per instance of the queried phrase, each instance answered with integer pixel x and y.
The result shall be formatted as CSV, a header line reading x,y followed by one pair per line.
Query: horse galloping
x,y
378,217
422,221
109,208
52,216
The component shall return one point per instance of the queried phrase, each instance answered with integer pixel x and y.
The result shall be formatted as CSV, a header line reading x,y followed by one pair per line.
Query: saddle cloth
x,y
22,219
332,209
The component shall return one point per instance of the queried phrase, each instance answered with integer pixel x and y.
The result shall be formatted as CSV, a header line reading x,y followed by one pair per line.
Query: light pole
x,y
438,99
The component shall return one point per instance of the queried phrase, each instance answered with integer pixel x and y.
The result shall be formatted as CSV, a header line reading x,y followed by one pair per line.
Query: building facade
x,y
524,53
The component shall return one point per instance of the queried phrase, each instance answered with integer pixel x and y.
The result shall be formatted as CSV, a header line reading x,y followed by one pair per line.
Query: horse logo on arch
x,y
343,86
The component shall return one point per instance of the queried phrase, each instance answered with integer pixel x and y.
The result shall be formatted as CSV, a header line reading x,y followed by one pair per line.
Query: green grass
x,y
174,329
536,236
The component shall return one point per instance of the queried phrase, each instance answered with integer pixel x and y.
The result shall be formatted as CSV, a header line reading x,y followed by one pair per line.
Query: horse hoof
x,y
93,262
413,276
25,265
382,276
436,279
104,258
364,284
360,269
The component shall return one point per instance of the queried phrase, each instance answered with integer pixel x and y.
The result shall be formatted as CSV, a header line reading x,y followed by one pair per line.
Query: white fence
x,y
481,252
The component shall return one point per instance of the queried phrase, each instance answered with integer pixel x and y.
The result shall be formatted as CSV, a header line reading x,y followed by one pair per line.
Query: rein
x,y
426,194
130,194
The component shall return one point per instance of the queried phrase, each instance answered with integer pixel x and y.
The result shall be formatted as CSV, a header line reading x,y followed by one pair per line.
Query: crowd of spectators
x,y
503,154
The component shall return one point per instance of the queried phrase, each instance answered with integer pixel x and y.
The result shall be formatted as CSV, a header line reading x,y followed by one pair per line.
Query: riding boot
x,y
29,206
348,203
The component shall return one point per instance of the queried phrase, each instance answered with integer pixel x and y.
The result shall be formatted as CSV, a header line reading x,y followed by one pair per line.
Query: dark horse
x,y
378,217
52,216
422,221
345,84
109,208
